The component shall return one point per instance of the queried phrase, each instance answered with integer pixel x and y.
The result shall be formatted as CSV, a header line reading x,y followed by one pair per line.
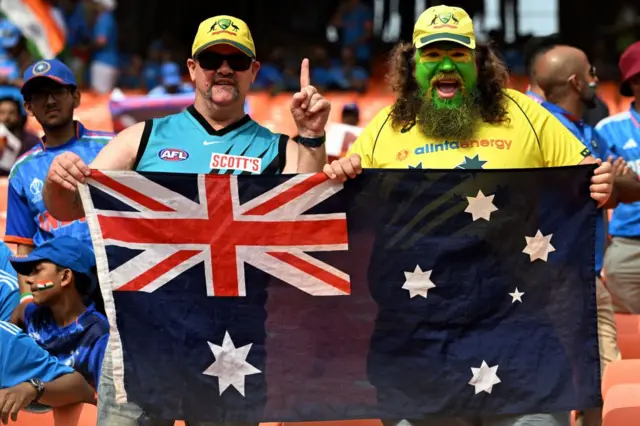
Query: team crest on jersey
x,y
36,190
172,154
236,162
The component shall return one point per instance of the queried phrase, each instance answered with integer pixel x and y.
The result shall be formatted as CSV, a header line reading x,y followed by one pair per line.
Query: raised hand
x,y
310,110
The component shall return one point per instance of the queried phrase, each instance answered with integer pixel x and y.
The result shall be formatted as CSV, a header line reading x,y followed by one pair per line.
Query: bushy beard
x,y
447,121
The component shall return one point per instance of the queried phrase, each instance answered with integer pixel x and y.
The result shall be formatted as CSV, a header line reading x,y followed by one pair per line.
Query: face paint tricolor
x,y
44,285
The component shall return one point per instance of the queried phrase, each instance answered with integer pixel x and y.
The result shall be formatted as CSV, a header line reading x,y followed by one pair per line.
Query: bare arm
x,y
67,389
60,194
302,159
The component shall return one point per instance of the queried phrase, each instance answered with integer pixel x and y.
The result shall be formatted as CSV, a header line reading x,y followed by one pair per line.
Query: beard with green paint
x,y
447,90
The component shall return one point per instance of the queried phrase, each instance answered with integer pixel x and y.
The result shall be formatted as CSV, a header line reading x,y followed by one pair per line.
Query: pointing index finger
x,y
304,74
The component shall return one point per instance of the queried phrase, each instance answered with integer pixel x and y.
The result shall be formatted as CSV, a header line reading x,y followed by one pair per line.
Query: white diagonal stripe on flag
x,y
184,208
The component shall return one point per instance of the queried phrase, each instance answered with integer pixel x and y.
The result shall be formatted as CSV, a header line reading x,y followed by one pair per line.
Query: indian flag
x,y
42,25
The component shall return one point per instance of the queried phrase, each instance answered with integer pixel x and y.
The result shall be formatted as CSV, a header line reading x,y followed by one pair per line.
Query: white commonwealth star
x,y
230,366
517,296
418,282
539,247
484,378
480,206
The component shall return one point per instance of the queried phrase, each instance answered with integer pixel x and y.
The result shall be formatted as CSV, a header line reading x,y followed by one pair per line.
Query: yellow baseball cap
x,y
444,23
223,29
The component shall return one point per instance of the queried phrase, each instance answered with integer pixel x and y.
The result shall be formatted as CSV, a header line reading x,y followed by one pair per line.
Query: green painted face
x,y
446,74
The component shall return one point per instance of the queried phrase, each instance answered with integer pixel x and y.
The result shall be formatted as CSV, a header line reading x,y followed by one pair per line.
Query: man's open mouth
x,y
447,89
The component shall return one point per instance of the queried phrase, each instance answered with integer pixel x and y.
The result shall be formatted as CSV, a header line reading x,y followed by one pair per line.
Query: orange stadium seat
x,y
628,323
626,371
628,326
622,406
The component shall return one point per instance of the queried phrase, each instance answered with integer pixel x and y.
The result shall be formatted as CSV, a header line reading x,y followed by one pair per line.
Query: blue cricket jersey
x,y
28,222
80,345
9,290
600,149
186,143
622,133
22,359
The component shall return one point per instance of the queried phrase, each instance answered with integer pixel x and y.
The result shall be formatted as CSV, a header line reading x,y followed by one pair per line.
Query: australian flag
x,y
399,294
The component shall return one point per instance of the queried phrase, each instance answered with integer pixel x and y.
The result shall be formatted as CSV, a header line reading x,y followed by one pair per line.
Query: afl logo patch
x,y
41,67
171,154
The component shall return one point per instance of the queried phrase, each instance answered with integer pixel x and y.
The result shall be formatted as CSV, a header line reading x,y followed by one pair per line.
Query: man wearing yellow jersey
x,y
453,111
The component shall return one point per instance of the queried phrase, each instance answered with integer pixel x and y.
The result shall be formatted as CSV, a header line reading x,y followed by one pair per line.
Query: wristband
x,y
312,142
25,297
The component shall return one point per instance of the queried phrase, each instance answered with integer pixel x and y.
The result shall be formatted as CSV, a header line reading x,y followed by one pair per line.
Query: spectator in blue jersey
x,y
9,291
51,96
354,19
622,131
62,319
104,46
214,128
10,37
172,83
29,374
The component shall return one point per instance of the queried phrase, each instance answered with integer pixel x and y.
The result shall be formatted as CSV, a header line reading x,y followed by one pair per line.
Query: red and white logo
x,y
171,154
236,162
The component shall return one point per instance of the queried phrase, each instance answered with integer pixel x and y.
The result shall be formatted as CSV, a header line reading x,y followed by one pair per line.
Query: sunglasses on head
x,y
212,61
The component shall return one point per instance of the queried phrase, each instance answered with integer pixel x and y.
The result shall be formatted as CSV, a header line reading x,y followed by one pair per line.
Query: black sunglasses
x,y
213,61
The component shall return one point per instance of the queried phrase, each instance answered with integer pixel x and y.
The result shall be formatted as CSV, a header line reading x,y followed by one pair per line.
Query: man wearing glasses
x,y
214,135
51,96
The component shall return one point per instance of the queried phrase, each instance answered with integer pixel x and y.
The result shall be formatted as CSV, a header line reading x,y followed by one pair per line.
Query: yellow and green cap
x,y
223,29
444,23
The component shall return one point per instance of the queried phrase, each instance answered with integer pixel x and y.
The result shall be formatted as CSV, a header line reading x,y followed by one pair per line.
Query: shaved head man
x,y
567,79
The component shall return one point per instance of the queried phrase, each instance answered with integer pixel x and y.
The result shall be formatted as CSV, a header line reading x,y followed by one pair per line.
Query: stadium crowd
x,y
53,326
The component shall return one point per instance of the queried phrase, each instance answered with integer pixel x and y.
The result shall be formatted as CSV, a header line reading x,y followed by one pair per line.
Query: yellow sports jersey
x,y
531,138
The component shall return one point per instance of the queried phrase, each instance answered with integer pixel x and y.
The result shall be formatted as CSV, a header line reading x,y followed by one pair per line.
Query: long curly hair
x,y
492,79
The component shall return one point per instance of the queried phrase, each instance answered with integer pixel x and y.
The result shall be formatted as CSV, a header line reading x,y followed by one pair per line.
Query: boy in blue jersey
x,y
9,290
622,132
28,374
50,95
214,135
62,319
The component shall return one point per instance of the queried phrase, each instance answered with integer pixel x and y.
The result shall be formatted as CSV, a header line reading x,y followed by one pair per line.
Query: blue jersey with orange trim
x,y
186,143
28,221
622,133
80,345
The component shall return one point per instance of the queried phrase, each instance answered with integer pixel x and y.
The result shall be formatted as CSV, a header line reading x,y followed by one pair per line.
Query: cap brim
x,y
24,265
228,42
454,38
30,81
